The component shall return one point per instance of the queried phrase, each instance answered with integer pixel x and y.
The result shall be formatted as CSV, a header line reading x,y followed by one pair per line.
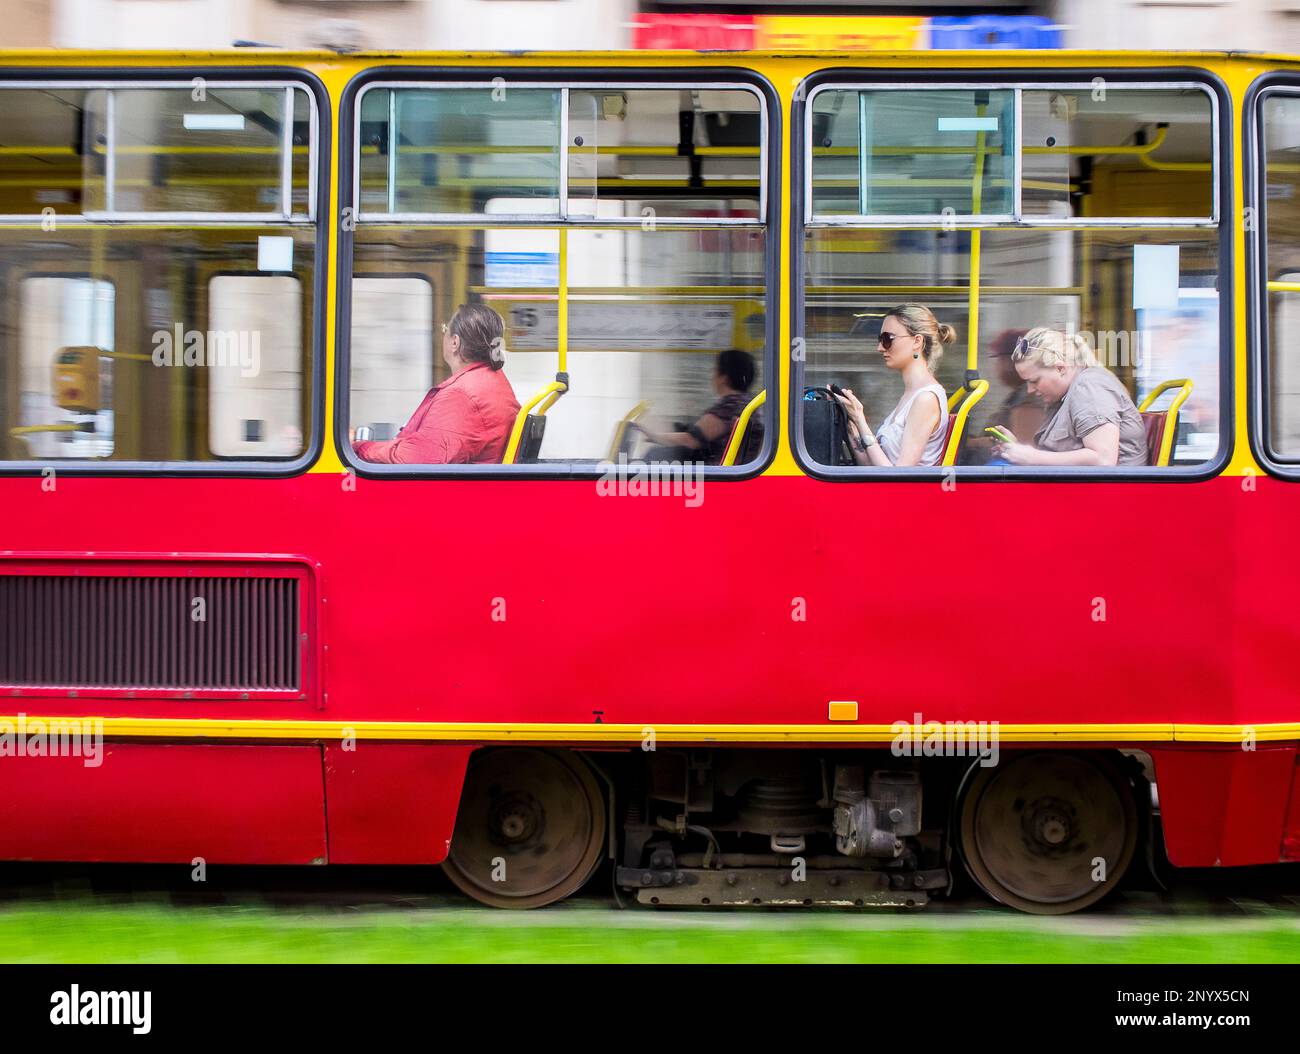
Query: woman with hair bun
x,y
1091,419
911,341
468,417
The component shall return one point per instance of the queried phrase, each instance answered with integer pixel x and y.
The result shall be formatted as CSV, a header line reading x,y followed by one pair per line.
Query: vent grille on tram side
x,y
97,631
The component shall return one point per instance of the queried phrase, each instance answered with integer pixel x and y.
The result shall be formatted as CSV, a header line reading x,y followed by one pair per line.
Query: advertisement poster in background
x,y
725,32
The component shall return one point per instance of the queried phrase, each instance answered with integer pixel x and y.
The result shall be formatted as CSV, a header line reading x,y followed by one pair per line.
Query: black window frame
x,y
703,76
1028,77
1255,192
313,431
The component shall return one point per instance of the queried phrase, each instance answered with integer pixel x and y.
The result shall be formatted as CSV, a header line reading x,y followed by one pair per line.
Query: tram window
x,y
455,148
1135,298
913,153
649,305
158,288
65,378
1115,152
254,370
392,350
1280,152
202,354
1074,282
184,151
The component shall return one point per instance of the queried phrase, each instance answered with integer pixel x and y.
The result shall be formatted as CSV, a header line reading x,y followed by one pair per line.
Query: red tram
x,y
773,680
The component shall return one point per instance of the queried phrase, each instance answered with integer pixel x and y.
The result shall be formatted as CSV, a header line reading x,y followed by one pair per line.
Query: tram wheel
x,y
529,830
1034,830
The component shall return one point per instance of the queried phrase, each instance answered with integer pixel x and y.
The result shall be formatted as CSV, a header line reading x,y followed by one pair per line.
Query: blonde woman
x,y
1090,419
911,342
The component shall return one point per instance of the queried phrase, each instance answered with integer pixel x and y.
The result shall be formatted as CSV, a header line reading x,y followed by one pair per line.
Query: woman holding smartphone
x,y
911,342
1090,418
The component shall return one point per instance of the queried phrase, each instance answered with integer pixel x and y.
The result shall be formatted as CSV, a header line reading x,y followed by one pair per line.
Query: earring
x,y
916,354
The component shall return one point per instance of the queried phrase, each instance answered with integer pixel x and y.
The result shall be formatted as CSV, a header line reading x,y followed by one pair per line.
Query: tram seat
x,y
960,404
746,433
530,441
1161,425
524,446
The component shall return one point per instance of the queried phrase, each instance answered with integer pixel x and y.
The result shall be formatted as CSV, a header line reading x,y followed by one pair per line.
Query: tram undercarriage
x,y
1046,832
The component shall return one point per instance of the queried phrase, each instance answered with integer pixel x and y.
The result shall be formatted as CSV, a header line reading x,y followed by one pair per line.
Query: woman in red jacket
x,y
467,418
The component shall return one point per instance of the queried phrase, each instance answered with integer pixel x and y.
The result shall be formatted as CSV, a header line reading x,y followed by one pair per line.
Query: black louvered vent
x,y
141,632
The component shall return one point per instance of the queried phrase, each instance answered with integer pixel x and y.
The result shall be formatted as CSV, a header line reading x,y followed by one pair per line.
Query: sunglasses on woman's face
x,y
887,339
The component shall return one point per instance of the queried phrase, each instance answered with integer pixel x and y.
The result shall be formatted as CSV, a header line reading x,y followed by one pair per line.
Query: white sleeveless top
x,y
890,432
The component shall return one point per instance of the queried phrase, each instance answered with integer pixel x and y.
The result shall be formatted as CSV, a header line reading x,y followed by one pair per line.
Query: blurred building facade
x,y
1265,25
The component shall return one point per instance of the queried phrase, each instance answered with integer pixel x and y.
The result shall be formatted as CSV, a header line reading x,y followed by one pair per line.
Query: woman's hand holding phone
x,y
852,407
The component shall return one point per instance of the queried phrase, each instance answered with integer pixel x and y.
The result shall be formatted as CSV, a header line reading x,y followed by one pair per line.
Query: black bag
x,y
825,428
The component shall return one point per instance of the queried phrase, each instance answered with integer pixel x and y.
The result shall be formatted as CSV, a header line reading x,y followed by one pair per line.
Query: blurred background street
x,y
1260,25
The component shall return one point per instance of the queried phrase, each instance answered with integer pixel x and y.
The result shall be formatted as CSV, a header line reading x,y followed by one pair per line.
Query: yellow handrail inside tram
x,y
1184,386
546,396
620,430
964,401
973,301
545,399
742,423
22,430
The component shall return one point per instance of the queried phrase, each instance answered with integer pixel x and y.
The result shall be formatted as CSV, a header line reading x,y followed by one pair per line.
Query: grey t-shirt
x,y
1094,398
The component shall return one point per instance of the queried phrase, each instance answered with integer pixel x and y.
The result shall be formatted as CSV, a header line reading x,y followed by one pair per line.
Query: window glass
x,y
630,316
392,350
1280,116
55,170
455,149
66,376
1117,152
913,153
194,150
126,340
645,152
1120,361
254,365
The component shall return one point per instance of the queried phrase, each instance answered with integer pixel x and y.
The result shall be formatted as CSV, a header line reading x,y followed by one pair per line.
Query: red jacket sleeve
x,y
443,438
